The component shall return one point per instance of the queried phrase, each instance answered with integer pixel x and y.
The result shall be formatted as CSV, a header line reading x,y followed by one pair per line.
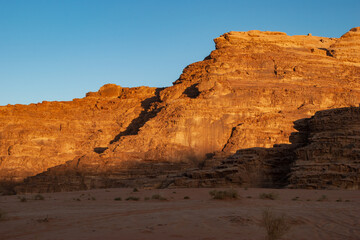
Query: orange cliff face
x,y
246,93
38,136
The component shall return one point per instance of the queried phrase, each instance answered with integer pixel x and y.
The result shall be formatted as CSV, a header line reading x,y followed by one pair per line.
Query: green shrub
x,y
276,226
223,195
271,196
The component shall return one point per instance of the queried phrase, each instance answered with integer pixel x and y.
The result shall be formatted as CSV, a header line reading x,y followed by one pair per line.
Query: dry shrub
x,y
39,197
223,195
2,215
276,226
271,196
322,198
158,197
132,199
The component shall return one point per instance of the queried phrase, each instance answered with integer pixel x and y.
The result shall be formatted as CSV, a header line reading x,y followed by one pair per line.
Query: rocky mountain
x,y
247,93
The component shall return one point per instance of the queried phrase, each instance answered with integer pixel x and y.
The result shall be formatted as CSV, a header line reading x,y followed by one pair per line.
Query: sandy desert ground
x,y
96,215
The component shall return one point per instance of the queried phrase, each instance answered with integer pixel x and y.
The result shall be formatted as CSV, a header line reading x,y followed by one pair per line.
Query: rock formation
x,y
38,136
324,154
245,94
330,152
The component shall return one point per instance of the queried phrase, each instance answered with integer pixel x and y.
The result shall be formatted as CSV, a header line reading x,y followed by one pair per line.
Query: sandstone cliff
x,y
245,94
330,156
38,136
324,154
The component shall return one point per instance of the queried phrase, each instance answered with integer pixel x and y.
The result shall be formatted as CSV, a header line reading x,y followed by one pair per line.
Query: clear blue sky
x,y
61,49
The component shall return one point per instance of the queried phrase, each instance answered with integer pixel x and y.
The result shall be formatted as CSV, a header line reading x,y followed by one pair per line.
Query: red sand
x,y
96,215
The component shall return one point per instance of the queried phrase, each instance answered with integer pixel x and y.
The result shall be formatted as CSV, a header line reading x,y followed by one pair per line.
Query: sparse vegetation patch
x,y
2,215
322,198
223,195
158,197
39,197
132,199
270,196
276,226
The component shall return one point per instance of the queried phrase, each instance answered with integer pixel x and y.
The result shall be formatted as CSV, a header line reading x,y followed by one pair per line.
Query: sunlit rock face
x,y
38,136
246,93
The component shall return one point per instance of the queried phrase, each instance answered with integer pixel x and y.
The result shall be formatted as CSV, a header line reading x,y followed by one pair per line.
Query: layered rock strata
x,y
36,137
324,154
331,155
245,94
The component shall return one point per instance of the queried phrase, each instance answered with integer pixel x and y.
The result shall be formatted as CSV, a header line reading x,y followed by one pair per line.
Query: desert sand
x,y
94,214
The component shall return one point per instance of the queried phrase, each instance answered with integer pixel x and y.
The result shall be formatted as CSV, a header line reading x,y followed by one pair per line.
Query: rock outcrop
x,y
36,137
324,154
330,157
245,94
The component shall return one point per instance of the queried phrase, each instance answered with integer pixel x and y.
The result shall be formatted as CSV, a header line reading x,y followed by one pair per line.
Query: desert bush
x,y
117,199
2,215
23,199
186,197
132,199
276,226
158,197
39,197
43,220
322,198
135,190
271,196
223,195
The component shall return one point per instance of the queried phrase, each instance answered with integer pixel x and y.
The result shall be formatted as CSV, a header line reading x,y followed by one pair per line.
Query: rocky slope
x,y
245,94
